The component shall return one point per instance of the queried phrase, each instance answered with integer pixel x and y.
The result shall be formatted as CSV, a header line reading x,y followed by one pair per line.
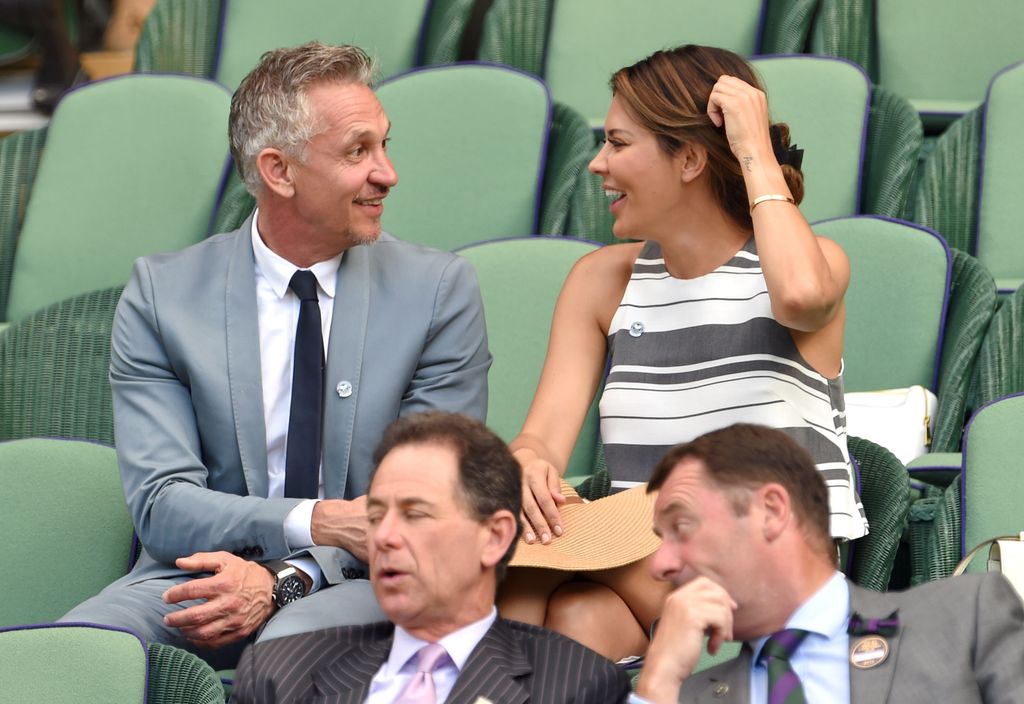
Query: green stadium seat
x,y
132,166
54,371
222,39
991,492
940,60
970,181
88,664
519,280
576,45
64,509
468,143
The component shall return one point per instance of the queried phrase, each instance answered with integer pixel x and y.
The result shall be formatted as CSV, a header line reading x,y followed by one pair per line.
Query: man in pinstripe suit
x,y
443,509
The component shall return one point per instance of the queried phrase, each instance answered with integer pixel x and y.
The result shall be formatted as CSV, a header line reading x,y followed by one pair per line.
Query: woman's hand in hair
x,y
743,111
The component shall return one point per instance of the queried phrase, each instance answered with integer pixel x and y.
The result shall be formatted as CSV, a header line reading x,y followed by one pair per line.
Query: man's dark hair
x,y
489,476
746,457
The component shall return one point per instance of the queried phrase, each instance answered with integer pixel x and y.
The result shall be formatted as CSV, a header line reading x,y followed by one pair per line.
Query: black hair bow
x,y
785,155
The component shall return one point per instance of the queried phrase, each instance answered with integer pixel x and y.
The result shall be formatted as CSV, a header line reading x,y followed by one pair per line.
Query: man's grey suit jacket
x,y
960,641
407,335
513,664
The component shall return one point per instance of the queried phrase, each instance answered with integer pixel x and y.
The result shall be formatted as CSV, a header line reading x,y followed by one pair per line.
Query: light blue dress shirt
x,y
822,660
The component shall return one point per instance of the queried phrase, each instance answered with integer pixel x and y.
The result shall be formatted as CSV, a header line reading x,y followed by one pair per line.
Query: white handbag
x,y
900,420
1006,555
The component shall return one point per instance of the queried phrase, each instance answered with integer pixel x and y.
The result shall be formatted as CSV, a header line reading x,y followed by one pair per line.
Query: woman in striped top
x,y
730,310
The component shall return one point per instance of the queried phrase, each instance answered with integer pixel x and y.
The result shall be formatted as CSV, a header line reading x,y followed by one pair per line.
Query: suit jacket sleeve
x,y
452,370
162,467
999,641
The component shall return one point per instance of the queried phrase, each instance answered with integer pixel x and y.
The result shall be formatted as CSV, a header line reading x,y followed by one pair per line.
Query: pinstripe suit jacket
x,y
513,664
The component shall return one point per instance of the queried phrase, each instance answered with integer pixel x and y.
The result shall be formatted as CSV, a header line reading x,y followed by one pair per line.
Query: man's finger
x,y
202,562
204,588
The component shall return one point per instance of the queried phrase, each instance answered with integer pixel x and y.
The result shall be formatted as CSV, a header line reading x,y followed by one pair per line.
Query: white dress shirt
x,y
821,662
278,313
400,666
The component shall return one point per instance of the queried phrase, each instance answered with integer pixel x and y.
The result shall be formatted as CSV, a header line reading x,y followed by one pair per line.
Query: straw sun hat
x,y
597,535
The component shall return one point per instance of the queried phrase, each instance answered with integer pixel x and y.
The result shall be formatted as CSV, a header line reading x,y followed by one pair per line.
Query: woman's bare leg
x,y
642,593
598,618
525,593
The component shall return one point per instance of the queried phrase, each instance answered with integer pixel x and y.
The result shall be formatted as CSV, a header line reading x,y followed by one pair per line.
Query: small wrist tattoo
x,y
747,161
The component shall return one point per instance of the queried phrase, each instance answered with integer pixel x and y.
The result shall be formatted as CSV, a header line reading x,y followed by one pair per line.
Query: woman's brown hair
x,y
667,93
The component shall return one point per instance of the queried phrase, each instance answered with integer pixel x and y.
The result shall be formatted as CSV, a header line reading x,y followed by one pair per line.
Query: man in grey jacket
x,y
254,373
744,520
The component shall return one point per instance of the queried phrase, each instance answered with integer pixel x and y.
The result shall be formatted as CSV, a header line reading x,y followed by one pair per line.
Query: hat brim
x,y
602,534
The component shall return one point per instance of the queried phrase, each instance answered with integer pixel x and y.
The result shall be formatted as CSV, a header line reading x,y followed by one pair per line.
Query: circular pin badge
x,y
344,389
869,651
636,329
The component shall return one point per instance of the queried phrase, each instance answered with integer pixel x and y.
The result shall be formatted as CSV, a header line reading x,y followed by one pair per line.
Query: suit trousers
x,y
140,608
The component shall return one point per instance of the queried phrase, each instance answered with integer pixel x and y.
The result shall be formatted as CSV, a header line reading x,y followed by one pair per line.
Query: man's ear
x,y
276,172
777,510
691,160
499,532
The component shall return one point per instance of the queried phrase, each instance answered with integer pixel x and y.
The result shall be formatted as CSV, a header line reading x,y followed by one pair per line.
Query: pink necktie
x,y
420,689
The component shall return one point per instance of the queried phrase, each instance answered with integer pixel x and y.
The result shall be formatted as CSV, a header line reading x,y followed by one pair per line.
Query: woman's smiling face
x,y
642,181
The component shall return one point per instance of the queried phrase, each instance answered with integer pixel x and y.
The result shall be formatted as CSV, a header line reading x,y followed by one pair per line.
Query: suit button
x,y
257,551
344,389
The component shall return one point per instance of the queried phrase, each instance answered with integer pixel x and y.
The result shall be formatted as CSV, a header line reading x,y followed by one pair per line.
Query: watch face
x,y
290,589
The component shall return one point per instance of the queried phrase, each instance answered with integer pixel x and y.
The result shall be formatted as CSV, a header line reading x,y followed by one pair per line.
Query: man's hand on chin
x,y
696,609
238,599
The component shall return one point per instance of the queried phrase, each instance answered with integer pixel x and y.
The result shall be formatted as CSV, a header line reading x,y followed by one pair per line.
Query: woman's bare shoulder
x,y
610,265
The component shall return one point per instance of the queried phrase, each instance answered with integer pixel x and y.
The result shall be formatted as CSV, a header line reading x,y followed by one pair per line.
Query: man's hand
x,y
238,599
342,524
698,608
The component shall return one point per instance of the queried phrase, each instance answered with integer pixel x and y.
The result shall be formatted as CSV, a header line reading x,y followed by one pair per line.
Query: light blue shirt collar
x,y
822,660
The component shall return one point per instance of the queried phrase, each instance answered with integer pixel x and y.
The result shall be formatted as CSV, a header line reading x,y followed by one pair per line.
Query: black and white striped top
x,y
689,356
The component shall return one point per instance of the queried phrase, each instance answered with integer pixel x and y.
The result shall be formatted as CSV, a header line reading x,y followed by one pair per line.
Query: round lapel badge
x,y
869,651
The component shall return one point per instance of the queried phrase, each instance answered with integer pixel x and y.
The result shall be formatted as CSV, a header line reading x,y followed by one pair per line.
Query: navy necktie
x,y
302,463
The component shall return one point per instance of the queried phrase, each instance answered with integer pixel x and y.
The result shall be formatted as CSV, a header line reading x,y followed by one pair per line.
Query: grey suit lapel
x,y
347,677
344,365
241,329
493,669
728,683
872,685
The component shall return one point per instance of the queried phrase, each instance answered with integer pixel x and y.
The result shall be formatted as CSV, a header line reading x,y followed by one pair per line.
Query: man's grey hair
x,y
271,107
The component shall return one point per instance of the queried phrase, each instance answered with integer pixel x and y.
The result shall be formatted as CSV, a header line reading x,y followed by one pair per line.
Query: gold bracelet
x,y
770,196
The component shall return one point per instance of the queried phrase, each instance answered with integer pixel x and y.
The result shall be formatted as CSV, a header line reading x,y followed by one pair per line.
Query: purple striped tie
x,y
783,685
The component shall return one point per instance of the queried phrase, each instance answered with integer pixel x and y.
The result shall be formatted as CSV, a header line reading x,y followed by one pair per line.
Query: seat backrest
x,y
390,30
826,102
586,41
1000,363
895,304
64,510
992,492
132,166
55,368
519,281
941,58
78,663
999,242
468,145
589,40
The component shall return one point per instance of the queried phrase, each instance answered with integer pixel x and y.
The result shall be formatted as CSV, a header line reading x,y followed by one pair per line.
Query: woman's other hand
x,y
541,497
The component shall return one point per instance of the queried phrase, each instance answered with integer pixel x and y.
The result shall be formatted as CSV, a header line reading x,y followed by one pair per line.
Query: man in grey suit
x,y
246,481
444,507
743,516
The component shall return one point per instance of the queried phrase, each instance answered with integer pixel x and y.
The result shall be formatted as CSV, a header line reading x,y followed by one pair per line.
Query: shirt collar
x,y
459,644
277,271
825,614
